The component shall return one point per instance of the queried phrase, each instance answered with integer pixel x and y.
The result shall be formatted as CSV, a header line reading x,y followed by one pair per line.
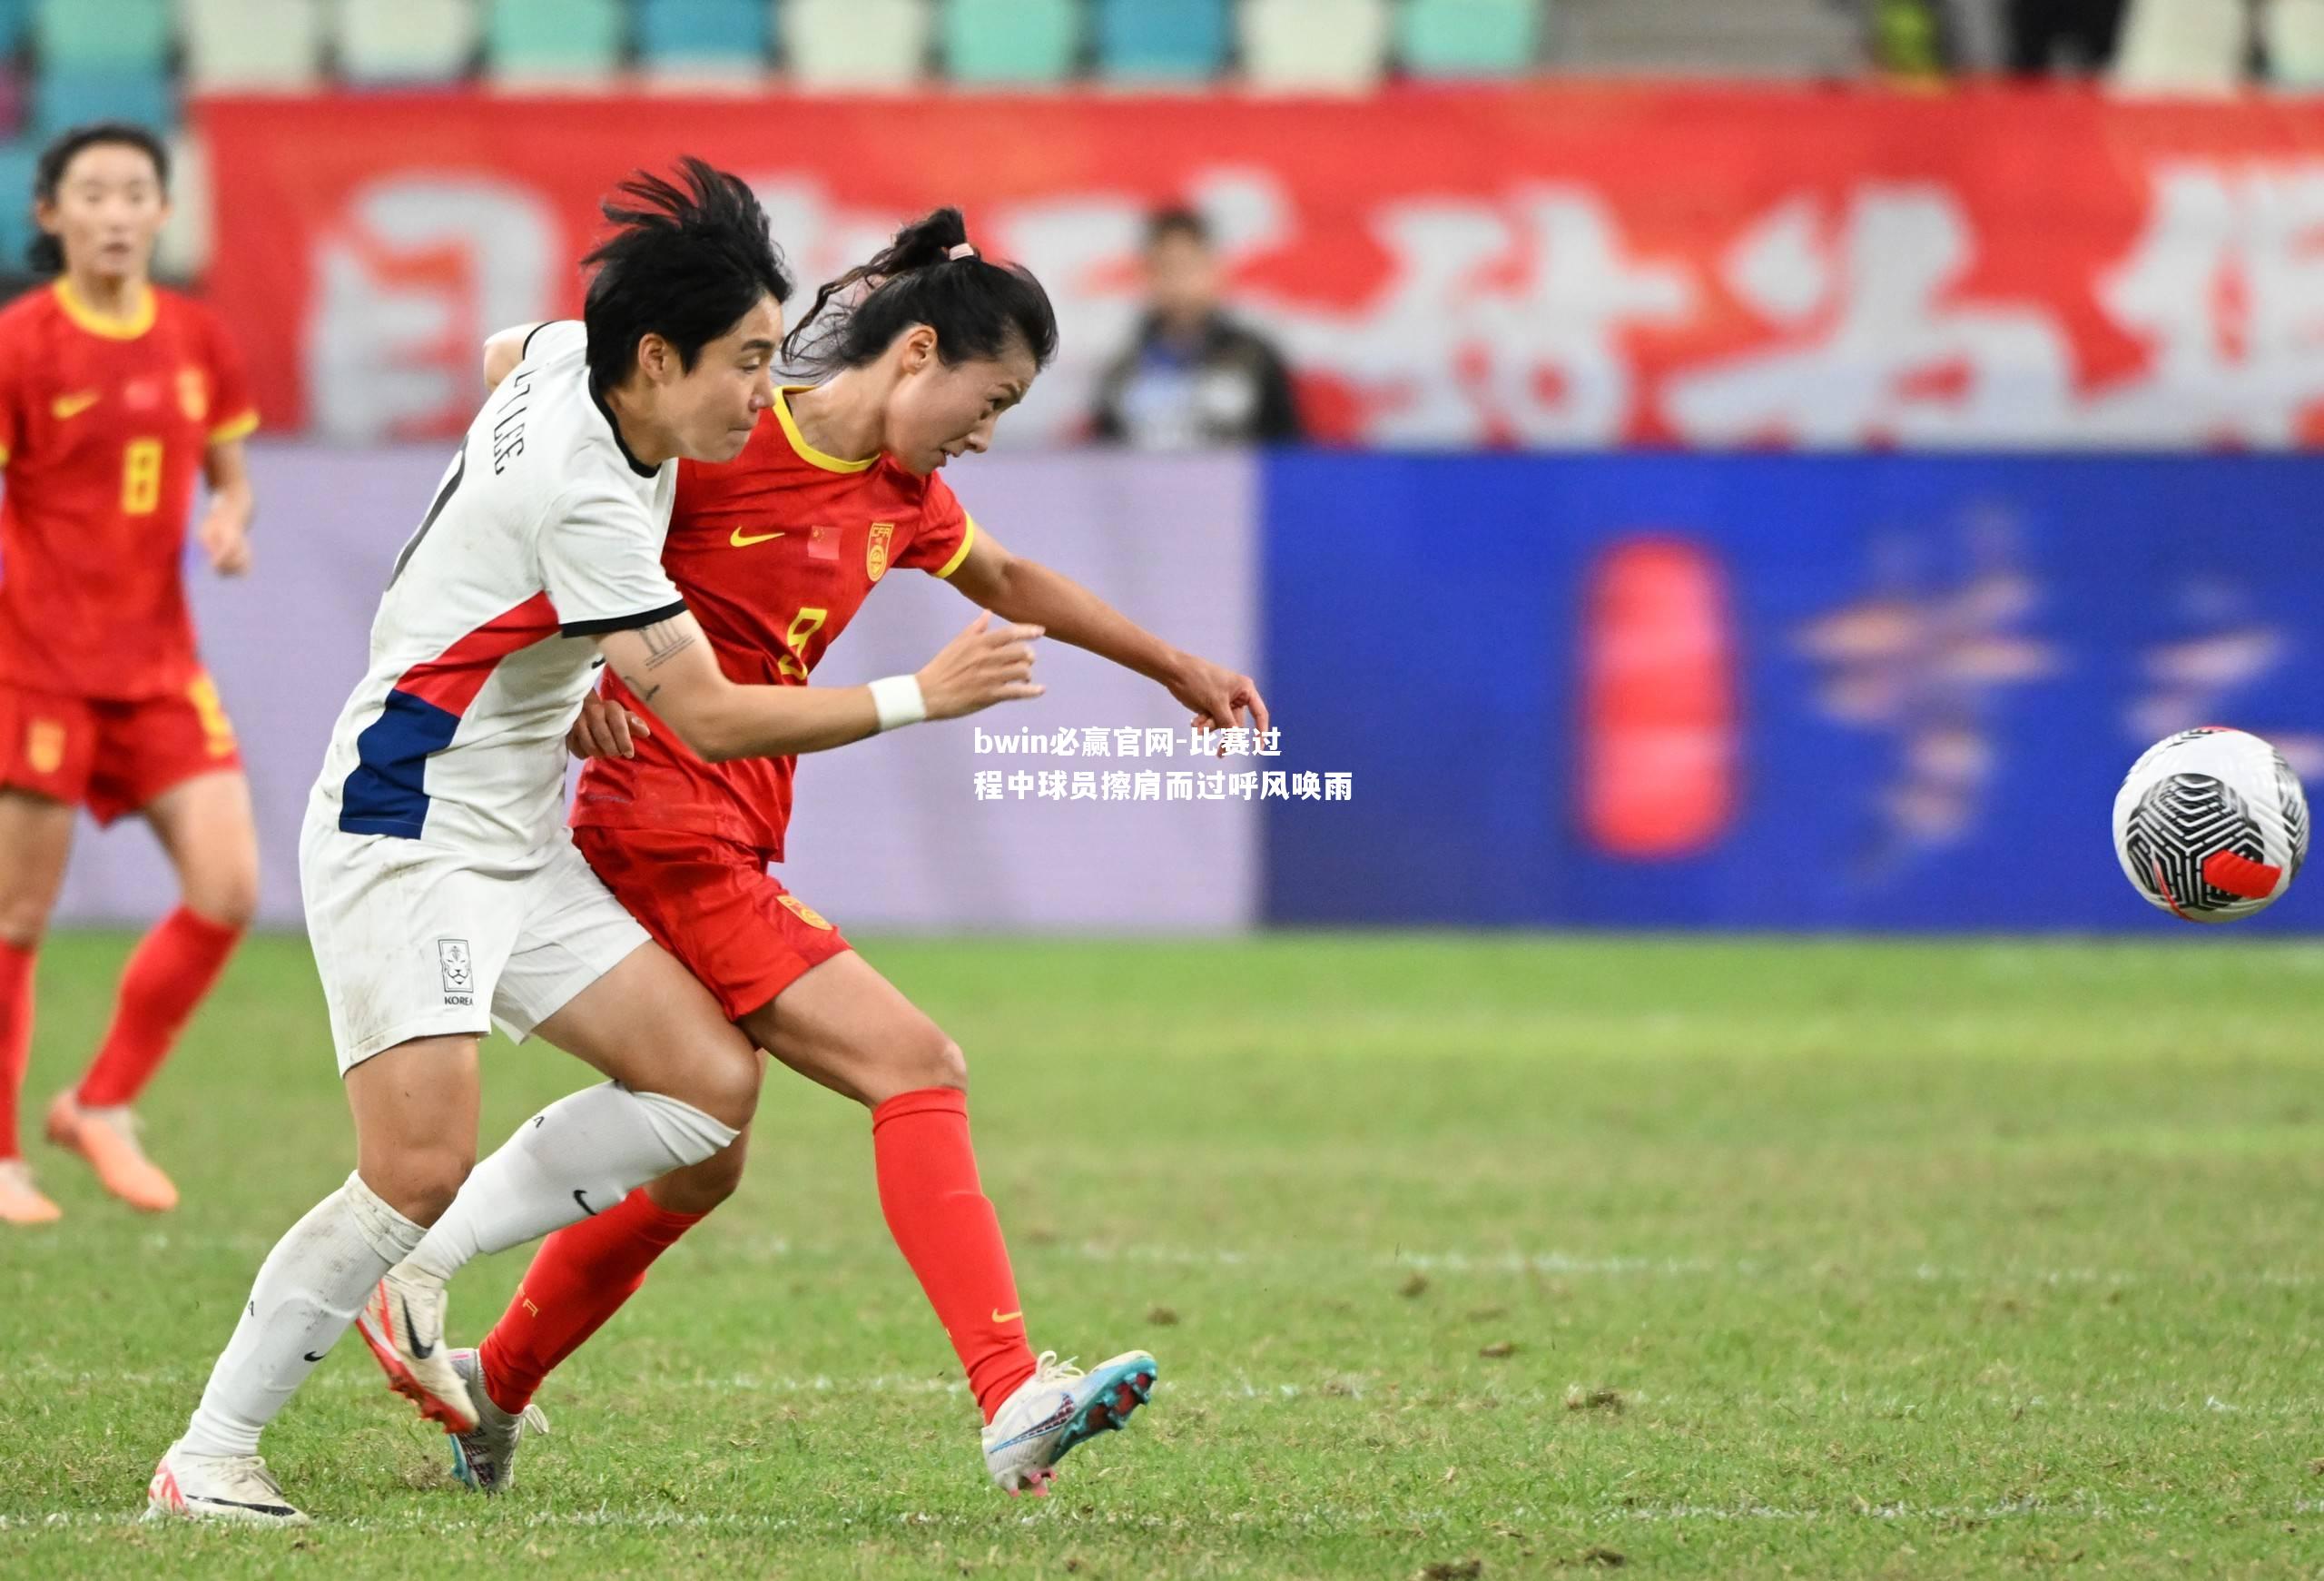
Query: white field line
x,y
1618,1266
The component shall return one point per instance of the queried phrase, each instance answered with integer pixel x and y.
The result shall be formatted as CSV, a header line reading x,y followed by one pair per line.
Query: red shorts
x,y
714,906
111,757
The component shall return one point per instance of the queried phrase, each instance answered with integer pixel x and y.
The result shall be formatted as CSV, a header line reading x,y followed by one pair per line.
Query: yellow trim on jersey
x,y
3,455
968,541
807,452
83,316
242,428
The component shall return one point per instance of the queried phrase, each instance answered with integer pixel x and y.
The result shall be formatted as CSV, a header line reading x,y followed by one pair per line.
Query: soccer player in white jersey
x,y
442,890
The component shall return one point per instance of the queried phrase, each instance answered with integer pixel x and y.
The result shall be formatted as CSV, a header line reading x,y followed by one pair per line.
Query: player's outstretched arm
x,y
669,667
1021,590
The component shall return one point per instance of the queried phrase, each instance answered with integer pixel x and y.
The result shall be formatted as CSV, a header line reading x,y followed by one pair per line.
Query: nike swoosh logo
x,y
65,406
577,1197
1000,1317
314,1355
742,542
240,1504
419,1352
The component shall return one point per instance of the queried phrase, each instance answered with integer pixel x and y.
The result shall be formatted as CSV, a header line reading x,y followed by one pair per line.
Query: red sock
x,y
167,975
579,1278
945,1226
16,1038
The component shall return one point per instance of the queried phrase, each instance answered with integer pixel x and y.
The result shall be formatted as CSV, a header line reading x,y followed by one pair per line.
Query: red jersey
x,y
775,551
104,426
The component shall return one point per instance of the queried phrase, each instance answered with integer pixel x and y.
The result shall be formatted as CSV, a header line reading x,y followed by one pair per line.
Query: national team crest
x,y
44,746
194,394
875,552
802,911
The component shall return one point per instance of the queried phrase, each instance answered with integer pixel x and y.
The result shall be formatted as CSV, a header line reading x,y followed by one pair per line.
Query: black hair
x,y
977,307
686,262
47,252
1164,223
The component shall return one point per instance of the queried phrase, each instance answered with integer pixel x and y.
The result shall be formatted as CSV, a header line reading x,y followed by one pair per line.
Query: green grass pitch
x,y
1492,1256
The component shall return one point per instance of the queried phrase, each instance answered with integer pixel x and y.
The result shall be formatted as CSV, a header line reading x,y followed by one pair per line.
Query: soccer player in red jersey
x,y
775,552
115,396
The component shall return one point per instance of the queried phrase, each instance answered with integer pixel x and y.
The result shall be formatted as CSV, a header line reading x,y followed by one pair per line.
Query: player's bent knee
x,y
23,924
725,1087
420,1185
229,903
946,1066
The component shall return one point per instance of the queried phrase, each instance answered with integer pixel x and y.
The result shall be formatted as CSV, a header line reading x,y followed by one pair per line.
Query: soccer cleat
x,y
403,1323
1058,1409
107,1138
218,1488
20,1202
485,1459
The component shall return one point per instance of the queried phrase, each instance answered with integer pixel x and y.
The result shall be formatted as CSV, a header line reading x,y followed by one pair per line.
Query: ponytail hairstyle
x,y
927,275
47,252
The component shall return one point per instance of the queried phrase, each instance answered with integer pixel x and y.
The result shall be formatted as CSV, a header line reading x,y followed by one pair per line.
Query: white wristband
x,y
898,701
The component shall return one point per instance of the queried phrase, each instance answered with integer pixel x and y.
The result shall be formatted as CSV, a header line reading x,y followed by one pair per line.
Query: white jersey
x,y
545,531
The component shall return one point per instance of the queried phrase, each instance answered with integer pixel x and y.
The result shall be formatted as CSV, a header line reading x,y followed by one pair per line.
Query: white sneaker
x,y
485,1459
1057,1408
403,1323
218,1488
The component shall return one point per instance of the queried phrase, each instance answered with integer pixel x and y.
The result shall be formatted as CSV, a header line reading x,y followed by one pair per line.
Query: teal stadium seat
x,y
703,38
1012,40
17,160
62,99
103,36
394,43
1161,41
1468,38
16,23
555,41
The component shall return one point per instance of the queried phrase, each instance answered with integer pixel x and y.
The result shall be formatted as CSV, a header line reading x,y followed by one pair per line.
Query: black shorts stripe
x,y
623,622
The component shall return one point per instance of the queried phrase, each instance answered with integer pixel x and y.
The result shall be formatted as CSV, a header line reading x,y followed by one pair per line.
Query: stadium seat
x,y
17,160
1161,41
2180,46
1314,46
253,44
1010,41
2294,30
392,42
856,44
1468,38
183,249
563,42
715,39
15,22
103,36
68,98
1752,38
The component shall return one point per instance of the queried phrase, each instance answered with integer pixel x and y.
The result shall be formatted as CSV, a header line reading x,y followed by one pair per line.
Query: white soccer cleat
x,y
1058,1409
218,1488
485,1459
403,1323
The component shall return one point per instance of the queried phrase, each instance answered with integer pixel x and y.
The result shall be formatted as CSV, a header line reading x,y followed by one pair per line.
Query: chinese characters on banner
x,y
1543,265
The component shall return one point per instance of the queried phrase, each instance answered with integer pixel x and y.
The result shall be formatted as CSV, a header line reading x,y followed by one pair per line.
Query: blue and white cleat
x,y
1057,1409
484,1458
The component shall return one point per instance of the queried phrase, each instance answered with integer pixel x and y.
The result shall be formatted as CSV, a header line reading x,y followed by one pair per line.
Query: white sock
x,y
308,1292
577,1157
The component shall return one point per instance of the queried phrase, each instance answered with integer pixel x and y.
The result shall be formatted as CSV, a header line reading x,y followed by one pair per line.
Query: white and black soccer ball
x,y
2211,825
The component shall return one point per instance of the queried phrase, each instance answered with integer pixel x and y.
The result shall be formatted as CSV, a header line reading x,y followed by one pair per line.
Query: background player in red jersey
x,y
775,551
114,394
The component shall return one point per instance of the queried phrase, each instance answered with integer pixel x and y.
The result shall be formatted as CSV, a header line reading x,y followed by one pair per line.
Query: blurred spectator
x,y
2076,37
1193,376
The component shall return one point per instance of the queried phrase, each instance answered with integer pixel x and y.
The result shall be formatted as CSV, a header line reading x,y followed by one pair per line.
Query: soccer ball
x,y
2211,825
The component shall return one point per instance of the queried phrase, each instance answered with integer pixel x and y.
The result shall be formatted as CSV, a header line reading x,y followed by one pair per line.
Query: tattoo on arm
x,y
639,690
664,641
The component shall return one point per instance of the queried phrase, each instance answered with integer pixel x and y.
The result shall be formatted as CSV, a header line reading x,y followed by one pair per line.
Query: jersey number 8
x,y
140,478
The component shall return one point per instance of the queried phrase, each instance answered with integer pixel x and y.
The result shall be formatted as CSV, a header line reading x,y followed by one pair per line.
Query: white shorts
x,y
413,941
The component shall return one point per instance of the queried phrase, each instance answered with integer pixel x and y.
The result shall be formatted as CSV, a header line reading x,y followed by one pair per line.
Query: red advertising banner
x,y
1548,265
